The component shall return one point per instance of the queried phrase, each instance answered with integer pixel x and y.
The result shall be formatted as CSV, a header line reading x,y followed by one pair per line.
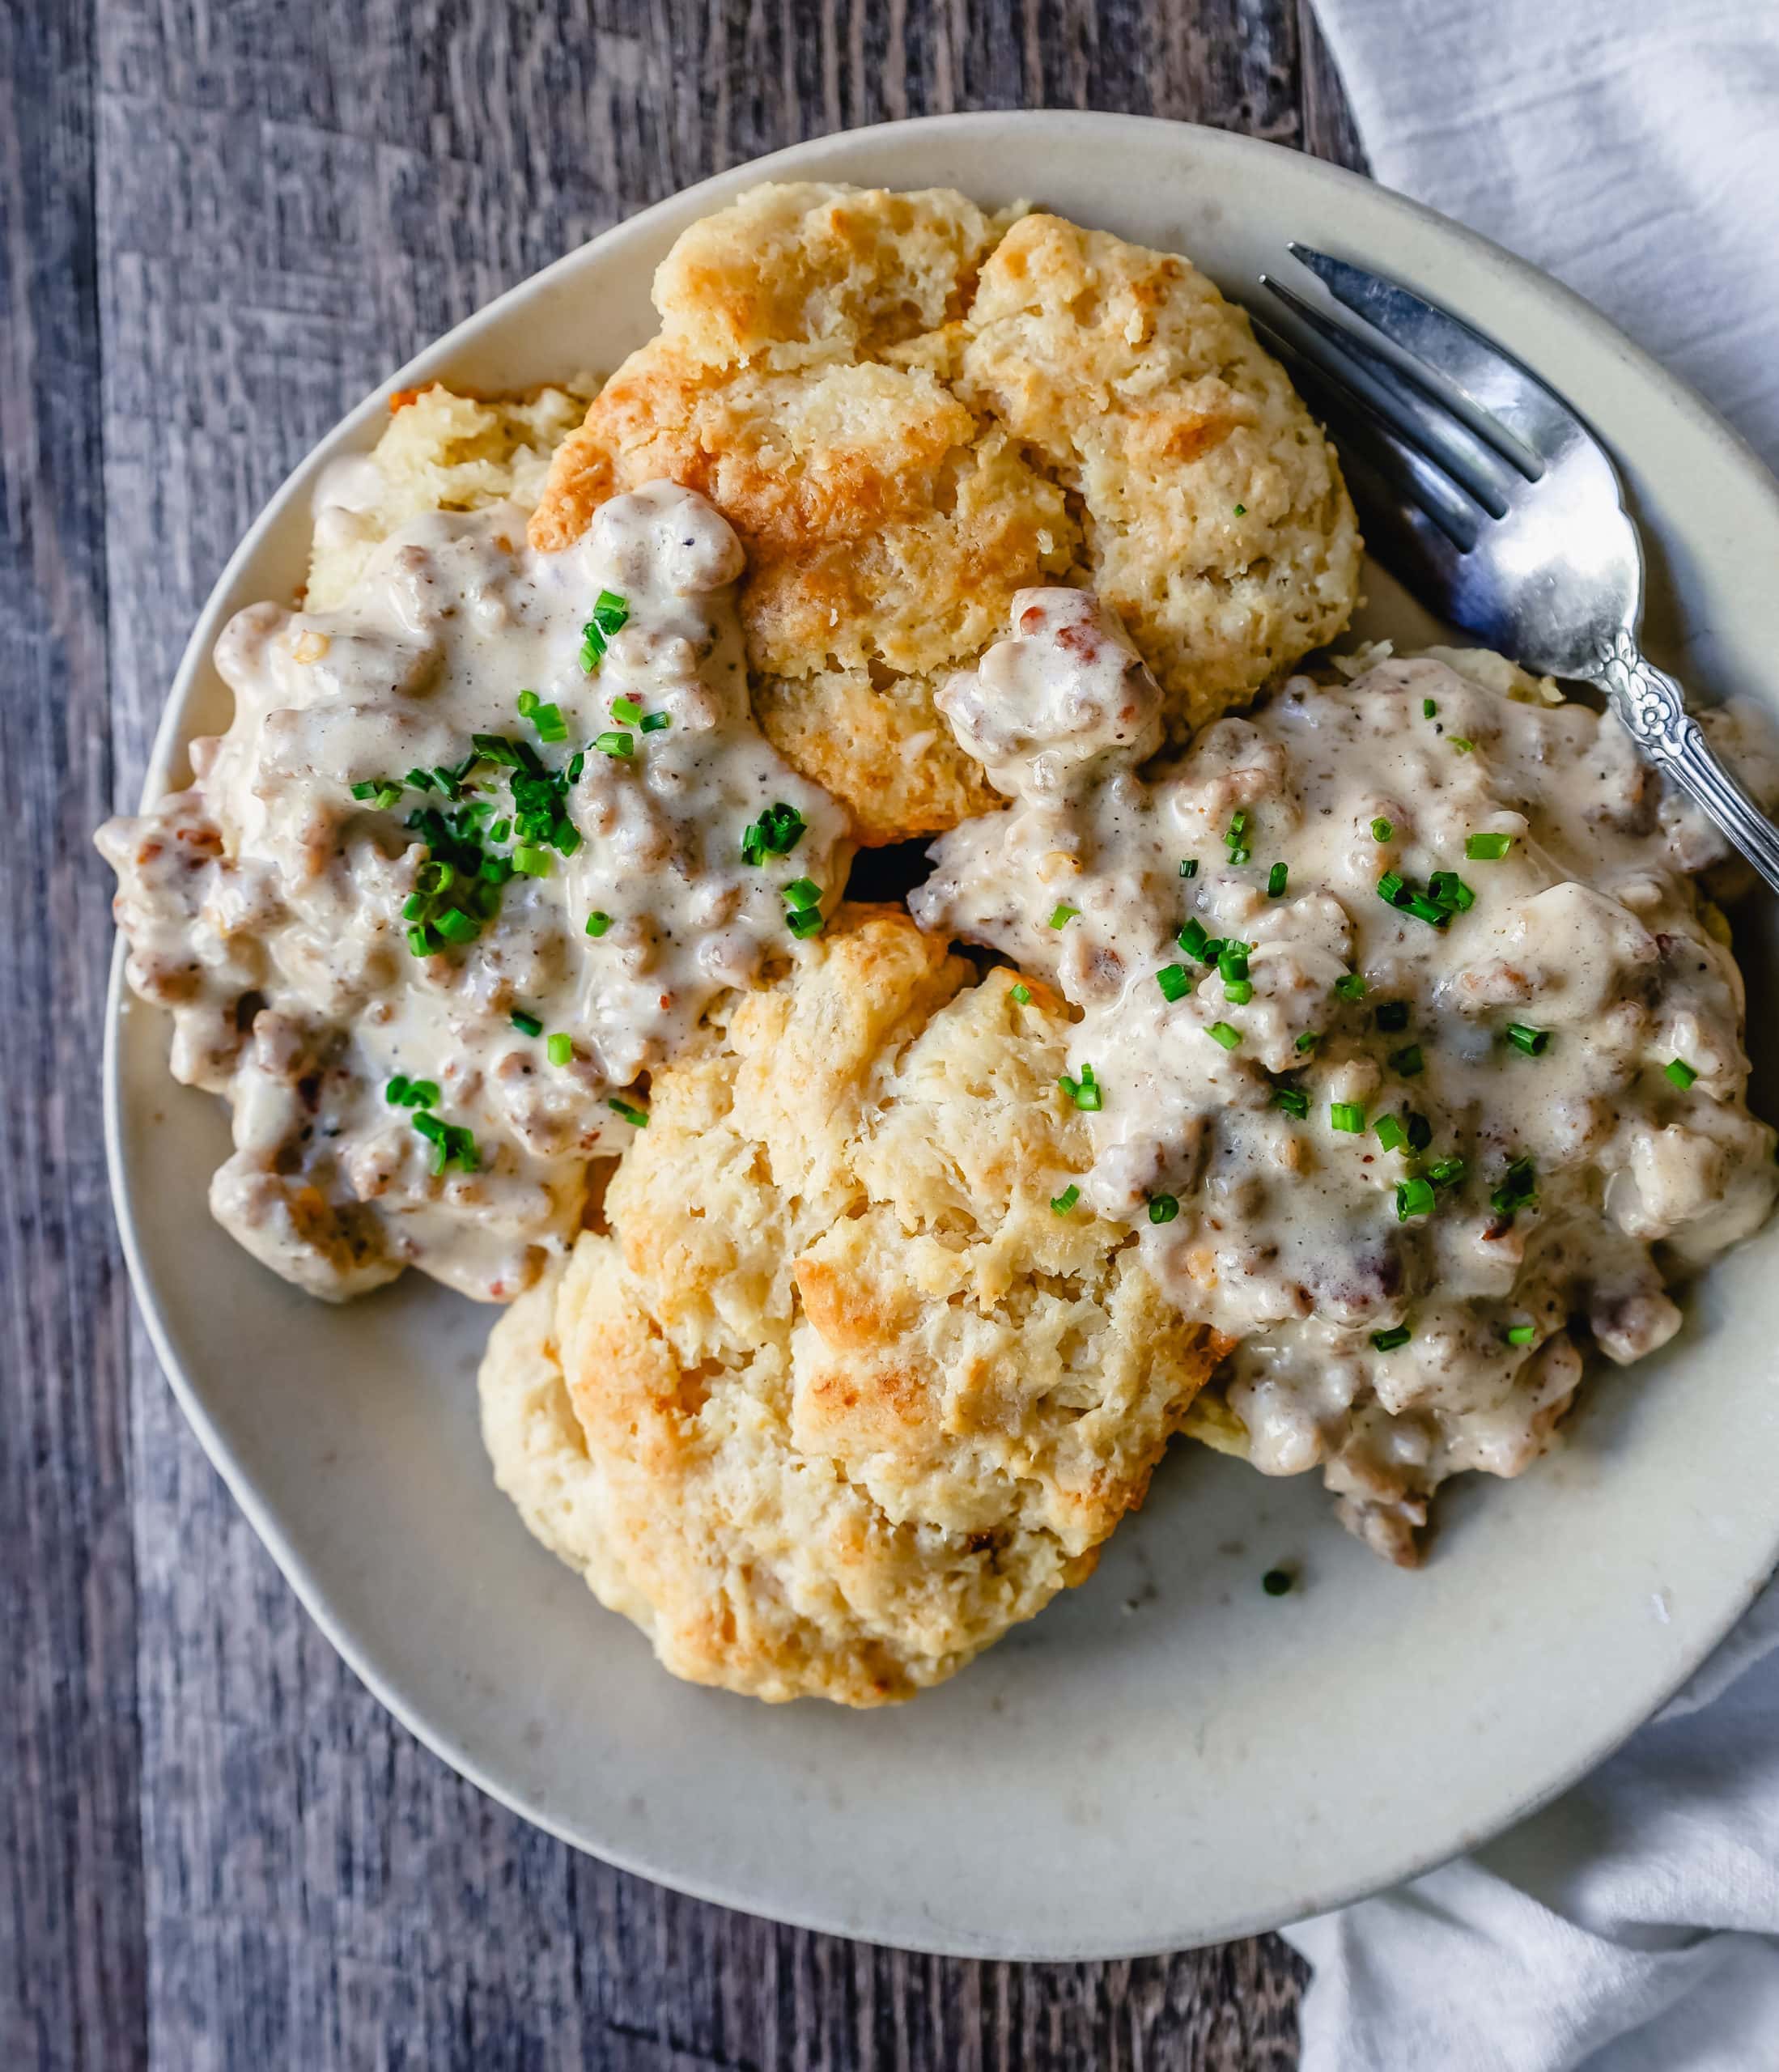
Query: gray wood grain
x,y
221,221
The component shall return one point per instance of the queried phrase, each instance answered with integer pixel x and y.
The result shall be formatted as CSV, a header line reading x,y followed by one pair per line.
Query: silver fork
x,y
1499,508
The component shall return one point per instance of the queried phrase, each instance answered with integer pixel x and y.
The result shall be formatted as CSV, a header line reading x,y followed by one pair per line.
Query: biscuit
x,y
842,1397
440,451
909,410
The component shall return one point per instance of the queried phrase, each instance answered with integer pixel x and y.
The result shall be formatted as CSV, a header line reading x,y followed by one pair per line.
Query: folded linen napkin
x,y
1631,147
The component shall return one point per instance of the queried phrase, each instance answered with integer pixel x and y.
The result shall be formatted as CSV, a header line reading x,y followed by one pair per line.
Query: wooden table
x,y
221,222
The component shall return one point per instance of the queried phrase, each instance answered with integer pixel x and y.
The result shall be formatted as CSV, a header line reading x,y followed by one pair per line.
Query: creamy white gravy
x,y
270,909
1555,1057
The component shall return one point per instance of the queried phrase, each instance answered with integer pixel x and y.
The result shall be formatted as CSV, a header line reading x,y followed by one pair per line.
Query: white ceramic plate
x,y
1167,1756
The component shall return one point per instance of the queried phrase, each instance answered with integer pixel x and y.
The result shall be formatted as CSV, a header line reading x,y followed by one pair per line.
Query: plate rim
x,y
1704,421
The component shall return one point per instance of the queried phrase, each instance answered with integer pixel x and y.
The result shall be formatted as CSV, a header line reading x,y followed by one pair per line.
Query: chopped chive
x,y
1237,991
1486,848
1085,1092
455,926
1409,1060
420,941
1382,831
1194,940
395,1093
1275,1582
802,892
1022,994
610,611
1391,1133
560,1049
1522,1334
1062,914
1447,889
803,921
1232,961
1387,1341
531,862
1241,510
1189,866
1447,1173
1276,880
1534,1042
598,923
420,779
414,907
1238,827
627,711
1238,857
495,870
1221,1031
527,1025
565,837
1459,742
1308,1039
1163,1209
423,1093
528,703
1391,1016
776,833
615,744
1061,1204
634,1116
1294,1100
1518,1188
1348,1115
1414,1197
1680,1072
500,831
1350,986
1175,981
550,724
652,723
1427,708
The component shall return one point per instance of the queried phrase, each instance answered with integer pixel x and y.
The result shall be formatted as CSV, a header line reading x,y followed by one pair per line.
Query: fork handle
x,y
1652,708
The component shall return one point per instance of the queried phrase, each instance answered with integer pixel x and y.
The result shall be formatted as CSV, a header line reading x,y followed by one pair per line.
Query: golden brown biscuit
x,y
849,1398
910,410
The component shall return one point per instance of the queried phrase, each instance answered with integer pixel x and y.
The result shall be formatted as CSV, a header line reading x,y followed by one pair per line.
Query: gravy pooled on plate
x,y
478,848
1404,1031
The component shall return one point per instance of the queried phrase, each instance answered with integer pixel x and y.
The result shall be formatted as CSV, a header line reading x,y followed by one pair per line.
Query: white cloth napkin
x,y
1632,148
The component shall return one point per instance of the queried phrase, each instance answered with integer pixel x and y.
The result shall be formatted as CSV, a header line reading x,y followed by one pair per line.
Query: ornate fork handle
x,y
1652,707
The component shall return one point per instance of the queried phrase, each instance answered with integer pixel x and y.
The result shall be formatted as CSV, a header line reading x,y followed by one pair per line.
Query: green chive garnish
x,y
1462,746
560,1049
1448,890
803,921
1522,1334
1427,708
598,923
1237,991
1680,1072
1518,1188
1294,1100
1391,1133
627,711
1486,848
1175,981
1348,1115
1221,1031
1382,831
527,1025
1022,994
1084,1091
1387,1341
1276,880
395,1093
615,744
1062,914
531,862
1308,1039
455,926
1409,1060
652,723
1189,866
776,833
1061,1204
1535,1043
1163,1209
1414,1197
1350,986
634,1116
802,892
1194,940
1447,1173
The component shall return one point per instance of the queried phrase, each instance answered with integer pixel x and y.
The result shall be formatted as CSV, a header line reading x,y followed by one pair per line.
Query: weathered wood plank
x,y
291,200
72,1985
